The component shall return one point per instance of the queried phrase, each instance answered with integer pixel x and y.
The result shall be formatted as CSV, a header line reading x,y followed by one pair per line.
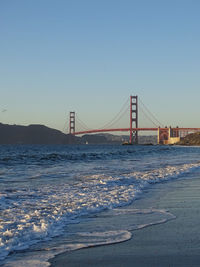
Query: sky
x,y
89,56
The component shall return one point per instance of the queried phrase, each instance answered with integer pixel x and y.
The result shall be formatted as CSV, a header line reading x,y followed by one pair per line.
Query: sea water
x,y
56,199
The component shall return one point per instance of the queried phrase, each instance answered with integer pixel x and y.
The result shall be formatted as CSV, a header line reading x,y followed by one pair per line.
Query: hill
x,y
191,140
107,138
40,134
34,134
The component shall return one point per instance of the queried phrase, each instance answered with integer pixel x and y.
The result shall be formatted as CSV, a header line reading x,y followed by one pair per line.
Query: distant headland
x,y
33,134
41,134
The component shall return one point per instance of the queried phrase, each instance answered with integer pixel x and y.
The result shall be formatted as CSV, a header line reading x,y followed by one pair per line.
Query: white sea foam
x,y
40,258
31,215
104,229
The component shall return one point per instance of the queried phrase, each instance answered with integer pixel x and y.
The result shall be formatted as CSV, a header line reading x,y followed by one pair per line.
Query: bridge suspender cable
x,y
115,119
142,107
65,127
145,114
82,123
125,111
149,112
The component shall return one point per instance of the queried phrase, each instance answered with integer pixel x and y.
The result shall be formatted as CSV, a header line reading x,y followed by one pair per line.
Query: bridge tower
x,y
72,122
133,119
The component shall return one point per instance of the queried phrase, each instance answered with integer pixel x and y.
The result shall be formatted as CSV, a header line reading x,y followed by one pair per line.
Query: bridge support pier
x,y
168,136
163,135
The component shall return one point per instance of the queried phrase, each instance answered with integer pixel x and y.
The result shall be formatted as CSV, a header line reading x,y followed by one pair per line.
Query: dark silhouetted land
x,y
34,134
191,140
40,134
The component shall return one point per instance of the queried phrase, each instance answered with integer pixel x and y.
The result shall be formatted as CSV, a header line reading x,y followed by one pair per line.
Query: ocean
x,y
55,199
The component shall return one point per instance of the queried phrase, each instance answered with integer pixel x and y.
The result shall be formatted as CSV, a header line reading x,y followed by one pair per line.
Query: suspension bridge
x,y
165,135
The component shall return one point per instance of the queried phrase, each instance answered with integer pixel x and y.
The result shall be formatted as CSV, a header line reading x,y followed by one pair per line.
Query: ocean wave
x,y
33,156
103,229
30,215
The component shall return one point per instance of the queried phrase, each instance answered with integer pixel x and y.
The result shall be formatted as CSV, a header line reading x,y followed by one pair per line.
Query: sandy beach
x,y
174,243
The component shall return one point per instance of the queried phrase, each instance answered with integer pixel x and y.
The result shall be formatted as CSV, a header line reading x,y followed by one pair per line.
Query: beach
x,y
174,243
99,206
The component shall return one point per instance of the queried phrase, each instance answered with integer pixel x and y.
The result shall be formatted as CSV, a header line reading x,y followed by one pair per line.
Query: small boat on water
x,y
126,144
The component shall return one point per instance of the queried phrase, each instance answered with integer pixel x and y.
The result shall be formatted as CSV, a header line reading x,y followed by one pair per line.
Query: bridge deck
x,y
134,129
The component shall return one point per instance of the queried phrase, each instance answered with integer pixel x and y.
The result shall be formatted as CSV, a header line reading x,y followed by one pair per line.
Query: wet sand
x,y
174,243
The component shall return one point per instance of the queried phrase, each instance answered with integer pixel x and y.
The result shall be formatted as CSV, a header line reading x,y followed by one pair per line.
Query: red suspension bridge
x,y
166,135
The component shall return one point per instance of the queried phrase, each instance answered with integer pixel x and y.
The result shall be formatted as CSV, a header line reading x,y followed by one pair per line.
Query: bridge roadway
x,y
133,129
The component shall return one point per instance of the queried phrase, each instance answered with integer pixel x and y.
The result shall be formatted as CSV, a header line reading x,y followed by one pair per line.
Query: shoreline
x,y
174,243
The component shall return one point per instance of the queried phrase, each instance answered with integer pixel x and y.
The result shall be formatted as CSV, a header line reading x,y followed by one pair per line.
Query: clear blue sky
x,y
90,55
